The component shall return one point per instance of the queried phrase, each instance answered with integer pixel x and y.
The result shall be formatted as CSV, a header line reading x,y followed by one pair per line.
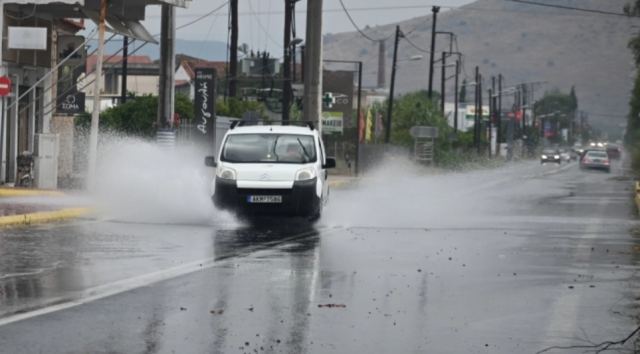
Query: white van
x,y
271,169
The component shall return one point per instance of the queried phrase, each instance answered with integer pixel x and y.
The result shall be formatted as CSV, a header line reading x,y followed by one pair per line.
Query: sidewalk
x,y
19,206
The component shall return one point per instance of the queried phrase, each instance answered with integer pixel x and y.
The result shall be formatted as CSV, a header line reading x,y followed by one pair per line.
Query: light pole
x,y
434,10
358,108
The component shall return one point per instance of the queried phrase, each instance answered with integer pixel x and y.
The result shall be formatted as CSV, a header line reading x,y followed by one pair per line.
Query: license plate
x,y
264,199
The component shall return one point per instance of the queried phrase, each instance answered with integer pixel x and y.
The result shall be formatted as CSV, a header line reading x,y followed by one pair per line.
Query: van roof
x,y
275,129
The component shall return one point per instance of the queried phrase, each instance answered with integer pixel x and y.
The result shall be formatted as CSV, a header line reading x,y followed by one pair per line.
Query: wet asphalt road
x,y
513,260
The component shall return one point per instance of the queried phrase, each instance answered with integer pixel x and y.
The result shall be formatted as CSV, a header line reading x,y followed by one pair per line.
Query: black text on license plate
x,y
264,199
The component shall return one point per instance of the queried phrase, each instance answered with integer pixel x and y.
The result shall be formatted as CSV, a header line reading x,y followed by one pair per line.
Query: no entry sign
x,y
5,85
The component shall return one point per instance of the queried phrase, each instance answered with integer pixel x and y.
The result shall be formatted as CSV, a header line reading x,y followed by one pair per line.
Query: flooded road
x,y
511,260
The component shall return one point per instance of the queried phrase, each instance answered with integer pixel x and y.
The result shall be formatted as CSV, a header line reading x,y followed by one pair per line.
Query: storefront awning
x,y
123,16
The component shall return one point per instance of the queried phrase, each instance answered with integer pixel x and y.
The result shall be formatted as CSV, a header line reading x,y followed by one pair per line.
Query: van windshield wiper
x,y
304,151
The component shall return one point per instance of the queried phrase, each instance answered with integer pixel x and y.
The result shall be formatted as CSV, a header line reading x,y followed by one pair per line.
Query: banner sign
x,y
204,106
341,86
332,122
69,100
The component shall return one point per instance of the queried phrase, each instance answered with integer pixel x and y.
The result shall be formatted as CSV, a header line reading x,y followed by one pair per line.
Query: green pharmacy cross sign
x,y
328,100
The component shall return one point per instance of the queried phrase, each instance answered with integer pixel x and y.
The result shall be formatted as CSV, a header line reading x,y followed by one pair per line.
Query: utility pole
x,y
233,54
312,108
499,110
476,135
381,63
490,92
125,64
97,87
387,136
480,111
286,67
435,10
456,98
167,67
443,80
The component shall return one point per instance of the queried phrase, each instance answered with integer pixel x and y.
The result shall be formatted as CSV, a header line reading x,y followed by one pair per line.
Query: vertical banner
x,y
204,106
69,100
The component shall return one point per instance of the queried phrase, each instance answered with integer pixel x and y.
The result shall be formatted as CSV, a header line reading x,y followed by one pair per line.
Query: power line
x,y
266,31
415,45
203,16
358,28
600,12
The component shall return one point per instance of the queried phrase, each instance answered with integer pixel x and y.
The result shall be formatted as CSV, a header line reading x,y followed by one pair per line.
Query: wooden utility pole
x,y
233,54
435,10
125,66
387,135
286,66
312,109
97,88
167,67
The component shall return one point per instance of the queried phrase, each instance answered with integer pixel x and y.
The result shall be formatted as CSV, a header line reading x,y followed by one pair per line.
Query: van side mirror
x,y
210,161
330,163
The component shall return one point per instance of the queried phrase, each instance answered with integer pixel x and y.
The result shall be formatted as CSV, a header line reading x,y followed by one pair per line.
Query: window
x,y
273,148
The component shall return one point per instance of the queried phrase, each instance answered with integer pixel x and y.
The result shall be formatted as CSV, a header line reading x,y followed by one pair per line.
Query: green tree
x,y
235,107
137,116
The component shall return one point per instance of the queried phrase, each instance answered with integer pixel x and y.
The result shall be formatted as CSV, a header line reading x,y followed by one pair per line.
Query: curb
x,y
17,192
43,217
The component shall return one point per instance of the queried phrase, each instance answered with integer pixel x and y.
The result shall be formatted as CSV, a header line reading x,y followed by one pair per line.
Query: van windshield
x,y
272,148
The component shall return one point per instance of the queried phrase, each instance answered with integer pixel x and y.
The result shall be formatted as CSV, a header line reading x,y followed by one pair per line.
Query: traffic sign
x,y
5,85
421,131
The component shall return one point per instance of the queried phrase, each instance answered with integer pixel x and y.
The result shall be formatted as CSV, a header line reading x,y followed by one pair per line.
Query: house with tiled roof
x,y
185,72
143,77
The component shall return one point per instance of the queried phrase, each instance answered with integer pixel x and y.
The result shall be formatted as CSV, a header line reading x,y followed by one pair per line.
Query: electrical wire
x,y
33,12
266,31
203,16
416,46
358,28
556,6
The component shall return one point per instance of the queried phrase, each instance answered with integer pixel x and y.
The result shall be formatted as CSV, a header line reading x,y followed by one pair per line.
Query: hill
x,y
522,42
209,50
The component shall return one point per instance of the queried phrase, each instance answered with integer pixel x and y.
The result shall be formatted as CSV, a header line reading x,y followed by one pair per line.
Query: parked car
x,y
271,169
595,159
550,155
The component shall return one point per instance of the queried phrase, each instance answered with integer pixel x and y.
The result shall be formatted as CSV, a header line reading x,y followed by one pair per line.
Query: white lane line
x,y
121,286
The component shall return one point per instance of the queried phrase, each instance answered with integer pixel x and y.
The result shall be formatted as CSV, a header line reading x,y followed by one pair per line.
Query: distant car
x,y
613,151
565,155
550,155
595,159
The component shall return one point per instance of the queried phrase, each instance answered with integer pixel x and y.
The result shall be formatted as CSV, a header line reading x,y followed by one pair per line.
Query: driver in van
x,y
293,153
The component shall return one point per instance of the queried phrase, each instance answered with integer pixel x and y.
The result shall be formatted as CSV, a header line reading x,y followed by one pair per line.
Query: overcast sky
x,y
262,21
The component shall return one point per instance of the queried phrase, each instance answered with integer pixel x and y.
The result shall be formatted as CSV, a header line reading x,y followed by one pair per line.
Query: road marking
x,y
114,288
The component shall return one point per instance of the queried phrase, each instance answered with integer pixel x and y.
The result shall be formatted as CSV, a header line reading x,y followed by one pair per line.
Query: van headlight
x,y
226,173
305,174
544,156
